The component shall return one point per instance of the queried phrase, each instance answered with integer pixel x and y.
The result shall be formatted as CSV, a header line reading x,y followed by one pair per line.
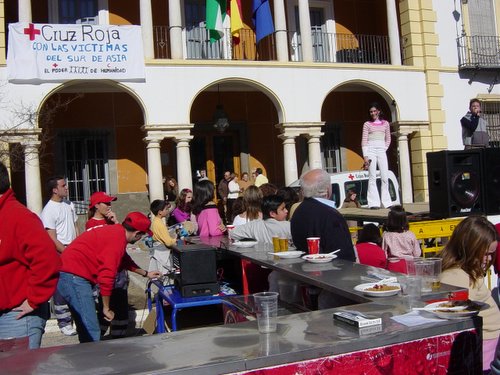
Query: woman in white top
x,y
252,201
375,141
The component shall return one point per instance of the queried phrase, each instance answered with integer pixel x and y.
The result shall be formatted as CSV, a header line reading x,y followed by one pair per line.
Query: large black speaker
x,y
195,270
455,183
491,179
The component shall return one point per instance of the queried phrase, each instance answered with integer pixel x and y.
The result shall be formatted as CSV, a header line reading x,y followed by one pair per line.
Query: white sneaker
x,y
68,330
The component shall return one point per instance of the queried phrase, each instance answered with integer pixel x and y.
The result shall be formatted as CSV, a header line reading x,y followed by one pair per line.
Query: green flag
x,y
216,12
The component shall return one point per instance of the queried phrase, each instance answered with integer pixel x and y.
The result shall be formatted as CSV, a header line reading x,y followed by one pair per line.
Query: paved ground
x,y
137,302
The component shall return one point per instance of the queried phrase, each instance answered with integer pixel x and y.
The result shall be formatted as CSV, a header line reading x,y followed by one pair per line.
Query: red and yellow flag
x,y
236,21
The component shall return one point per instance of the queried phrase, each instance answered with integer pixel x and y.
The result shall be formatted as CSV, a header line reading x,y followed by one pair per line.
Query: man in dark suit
x,y
316,216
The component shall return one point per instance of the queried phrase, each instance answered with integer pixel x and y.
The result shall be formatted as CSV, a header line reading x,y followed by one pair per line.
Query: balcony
x,y
327,47
478,52
343,48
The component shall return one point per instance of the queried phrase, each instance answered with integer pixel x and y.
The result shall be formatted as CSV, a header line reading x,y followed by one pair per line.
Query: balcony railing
x,y
344,48
478,52
327,47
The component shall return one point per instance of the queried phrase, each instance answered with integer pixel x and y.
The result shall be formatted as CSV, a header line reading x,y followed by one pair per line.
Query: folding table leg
x,y
160,316
174,318
244,279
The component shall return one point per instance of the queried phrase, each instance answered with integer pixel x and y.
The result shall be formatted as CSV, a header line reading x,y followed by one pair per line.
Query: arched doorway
x,y
94,138
344,111
249,141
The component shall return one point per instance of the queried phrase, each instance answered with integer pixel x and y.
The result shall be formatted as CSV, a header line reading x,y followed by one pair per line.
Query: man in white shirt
x,y
59,219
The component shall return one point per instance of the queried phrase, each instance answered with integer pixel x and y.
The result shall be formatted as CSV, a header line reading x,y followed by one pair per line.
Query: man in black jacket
x,y
317,217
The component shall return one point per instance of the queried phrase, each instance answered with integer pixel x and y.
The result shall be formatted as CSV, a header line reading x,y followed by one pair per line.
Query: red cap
x,y
138,221
100,197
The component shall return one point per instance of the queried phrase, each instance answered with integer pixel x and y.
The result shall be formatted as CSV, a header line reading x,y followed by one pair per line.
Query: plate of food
x,y
245,243
319,258
379,289
453,309
288,254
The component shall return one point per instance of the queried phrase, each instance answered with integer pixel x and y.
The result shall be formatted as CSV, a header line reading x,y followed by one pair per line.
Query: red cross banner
x,y
55,52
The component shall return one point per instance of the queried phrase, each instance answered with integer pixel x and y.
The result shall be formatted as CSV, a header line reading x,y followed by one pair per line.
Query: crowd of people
x,y
86,274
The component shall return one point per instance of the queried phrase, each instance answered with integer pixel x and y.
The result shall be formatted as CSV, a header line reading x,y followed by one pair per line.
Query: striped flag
x,y
236,21
262,19
216,12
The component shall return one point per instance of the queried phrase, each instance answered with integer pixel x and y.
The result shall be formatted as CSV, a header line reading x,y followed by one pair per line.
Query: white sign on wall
x,y
62,52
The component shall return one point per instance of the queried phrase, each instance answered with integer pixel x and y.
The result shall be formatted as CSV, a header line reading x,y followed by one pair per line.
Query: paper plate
x,y
364,288
288,254
245,243
471,310
319,258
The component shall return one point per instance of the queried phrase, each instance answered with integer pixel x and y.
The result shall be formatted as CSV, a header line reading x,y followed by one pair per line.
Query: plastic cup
x,y
276,244
410,264
411,289
229,227
313,245
283,244
436,277
425,270
266,308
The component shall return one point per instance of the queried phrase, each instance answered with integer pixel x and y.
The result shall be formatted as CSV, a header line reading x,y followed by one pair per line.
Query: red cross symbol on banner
x,y
31,31
351,176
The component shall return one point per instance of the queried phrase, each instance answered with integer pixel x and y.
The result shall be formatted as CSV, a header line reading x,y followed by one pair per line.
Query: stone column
x,y
24,10
305,31
290,159
103,12
155,174
32,176
314,148
184,176
281,31
175,30
147,28
405,167
392,26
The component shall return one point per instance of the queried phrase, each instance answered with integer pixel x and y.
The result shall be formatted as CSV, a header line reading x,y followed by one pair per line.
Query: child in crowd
x,y
252,201
182,213
205,209
182,210
290,196
160,259
237,210
368,247
398,240
466,258
274,224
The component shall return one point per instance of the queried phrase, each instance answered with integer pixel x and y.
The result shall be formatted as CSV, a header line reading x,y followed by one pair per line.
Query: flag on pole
x,y
216,12
262,19
236,21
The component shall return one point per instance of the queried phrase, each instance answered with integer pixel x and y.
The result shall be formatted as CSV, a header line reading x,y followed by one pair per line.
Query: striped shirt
x,y
376,133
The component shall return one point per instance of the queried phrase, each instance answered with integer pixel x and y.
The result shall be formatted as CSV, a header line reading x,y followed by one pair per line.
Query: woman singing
x,y
375,142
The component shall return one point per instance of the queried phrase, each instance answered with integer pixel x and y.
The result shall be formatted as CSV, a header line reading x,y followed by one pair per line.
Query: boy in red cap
x,y
94,258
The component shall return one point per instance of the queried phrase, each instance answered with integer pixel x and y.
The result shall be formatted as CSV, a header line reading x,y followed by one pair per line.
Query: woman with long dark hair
x,y
375,141
205,209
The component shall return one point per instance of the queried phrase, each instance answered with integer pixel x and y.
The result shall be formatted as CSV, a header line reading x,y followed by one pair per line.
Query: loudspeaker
x,y
195,269
455,183
491,179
